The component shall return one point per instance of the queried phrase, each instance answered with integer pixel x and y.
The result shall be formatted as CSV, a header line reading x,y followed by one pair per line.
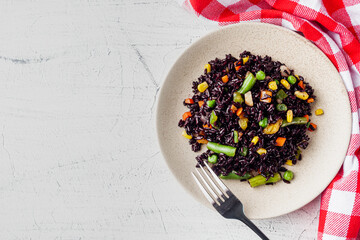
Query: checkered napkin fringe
x,y
334,26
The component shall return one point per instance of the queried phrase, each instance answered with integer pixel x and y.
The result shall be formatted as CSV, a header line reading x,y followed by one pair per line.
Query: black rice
x,y
266,164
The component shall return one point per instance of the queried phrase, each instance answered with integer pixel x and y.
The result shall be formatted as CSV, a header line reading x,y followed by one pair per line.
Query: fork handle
x,y
251,225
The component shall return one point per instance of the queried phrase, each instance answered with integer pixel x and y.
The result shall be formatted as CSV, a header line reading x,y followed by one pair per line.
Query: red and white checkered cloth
x,y
334,26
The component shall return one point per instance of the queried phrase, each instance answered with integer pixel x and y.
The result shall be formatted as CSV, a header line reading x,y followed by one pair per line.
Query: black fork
x,y
223,200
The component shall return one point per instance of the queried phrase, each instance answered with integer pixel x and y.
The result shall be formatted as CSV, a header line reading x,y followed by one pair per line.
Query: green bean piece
x,y
308,125
281,107
213,118
237,97
211,103
213,159
260,75
236,136
248,83
291,79
264,122
244,151
288,175
295,121
233,175
219,148
277,82
281,95
261,180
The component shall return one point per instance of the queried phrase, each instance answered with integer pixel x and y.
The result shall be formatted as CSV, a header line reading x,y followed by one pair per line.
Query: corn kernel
x,y
272,85
285,83
301,95
245,59
243,122
319,112
297,76
208,67
202,86
255,140
289,116
289,162
261,151
186,135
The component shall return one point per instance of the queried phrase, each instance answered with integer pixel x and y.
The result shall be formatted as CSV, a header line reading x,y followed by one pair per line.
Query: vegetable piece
x,y
207,126
189,101
186,135
236,136
237,97
288,175
233,108
301,95
255,140
272,85
301,84
289,162
273,127
203,141
307,117
186,115
264,122
244,151
319,112
280,141
281,107
213,159
295,121
237,65
289,115
284,71
225,79
202,86
200,103
277,82
312,127
291,79
249,82
233,175
281,95
213,118
261,180
239,111
211,103
298,153
261,151
265,96
219,148
260,75
249,99
285,84
310,100
243,122
208,68
245,59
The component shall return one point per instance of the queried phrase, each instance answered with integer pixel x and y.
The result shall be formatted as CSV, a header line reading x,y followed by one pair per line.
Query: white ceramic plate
x,y
328,145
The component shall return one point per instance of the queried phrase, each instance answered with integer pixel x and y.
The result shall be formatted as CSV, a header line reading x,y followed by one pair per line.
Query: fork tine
x,y
217,179
209,189
206,194
215,187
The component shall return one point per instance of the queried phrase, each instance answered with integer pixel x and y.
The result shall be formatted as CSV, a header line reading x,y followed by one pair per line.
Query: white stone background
x,y
78,151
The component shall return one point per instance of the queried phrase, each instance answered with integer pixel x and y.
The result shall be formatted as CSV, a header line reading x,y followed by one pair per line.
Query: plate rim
x,y
188,49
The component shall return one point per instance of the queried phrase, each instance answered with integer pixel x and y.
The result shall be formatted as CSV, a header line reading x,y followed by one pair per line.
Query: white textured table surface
x,y
78,151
